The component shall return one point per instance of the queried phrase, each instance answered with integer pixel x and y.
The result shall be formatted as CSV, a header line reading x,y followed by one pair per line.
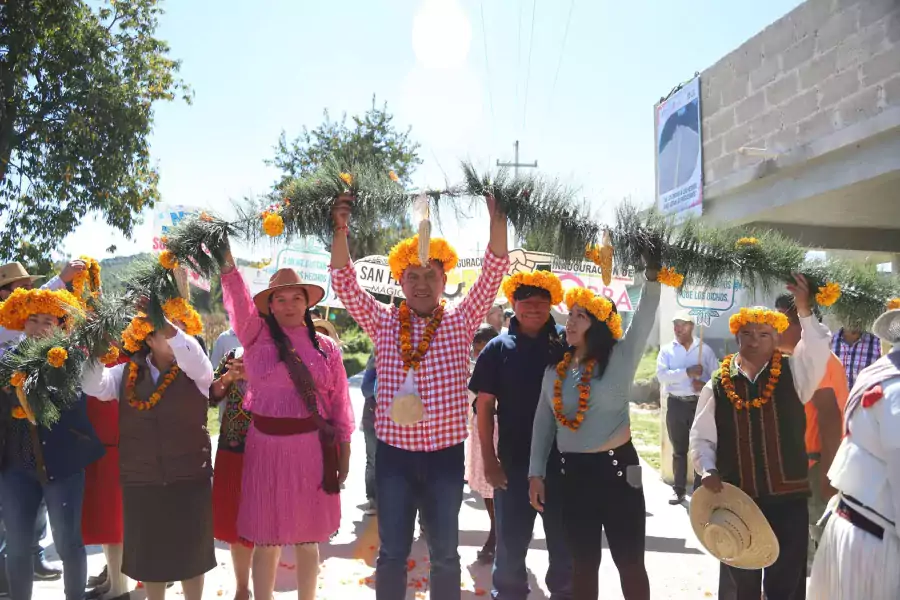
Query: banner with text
x,y
679,153
165,217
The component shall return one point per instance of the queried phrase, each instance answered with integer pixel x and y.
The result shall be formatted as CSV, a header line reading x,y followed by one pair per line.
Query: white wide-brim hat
x,y
887,327
732,528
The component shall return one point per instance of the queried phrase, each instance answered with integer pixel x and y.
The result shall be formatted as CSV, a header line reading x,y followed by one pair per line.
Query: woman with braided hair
x,y
297,449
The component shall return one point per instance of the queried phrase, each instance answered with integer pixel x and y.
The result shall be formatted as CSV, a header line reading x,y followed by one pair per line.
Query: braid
x,y
279,337
312,333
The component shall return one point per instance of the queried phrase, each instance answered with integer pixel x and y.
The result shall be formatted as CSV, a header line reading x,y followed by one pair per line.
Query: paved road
x,y
678,569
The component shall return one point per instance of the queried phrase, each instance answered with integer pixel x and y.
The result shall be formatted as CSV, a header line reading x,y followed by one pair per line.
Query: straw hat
x,y
15,272
887,327
330,331
285,279
732,528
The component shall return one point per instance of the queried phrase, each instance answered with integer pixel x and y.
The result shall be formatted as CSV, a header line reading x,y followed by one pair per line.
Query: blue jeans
x,y
40,532
430,483
22,493
514,516
368,427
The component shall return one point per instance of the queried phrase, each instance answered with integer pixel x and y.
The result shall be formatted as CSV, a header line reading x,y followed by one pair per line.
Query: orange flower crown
x,y
406,254
599,306
22,303
760,315
539,279
175,309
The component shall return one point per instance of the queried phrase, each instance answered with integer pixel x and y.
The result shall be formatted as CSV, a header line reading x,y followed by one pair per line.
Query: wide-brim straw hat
x,y
887,327
732,528
15,272
329,328
285,279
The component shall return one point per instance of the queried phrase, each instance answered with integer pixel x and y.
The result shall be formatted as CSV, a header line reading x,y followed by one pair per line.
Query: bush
x,y
355,363
355,341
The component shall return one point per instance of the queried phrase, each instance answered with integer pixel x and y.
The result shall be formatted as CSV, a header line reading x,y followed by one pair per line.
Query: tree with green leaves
x,y
369,138
78,83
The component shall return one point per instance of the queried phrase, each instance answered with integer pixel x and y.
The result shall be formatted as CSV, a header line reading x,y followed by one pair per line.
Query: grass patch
x,y
212,421
647,367
645,433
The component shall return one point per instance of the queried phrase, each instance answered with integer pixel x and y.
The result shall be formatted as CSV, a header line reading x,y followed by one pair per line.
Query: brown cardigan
x,y
169,442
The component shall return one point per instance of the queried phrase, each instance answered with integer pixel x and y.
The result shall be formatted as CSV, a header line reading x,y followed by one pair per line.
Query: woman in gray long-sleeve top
x,y
584,406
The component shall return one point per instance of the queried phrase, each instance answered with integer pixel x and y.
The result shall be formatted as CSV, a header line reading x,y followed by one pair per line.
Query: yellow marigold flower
x,y
746,241
893,304
393,177
670,277
110,357
273,224
599,306
540,279
17,379
22,303
828,294
137,331
57,356
406,254
178,309
347,178
168,260
762,316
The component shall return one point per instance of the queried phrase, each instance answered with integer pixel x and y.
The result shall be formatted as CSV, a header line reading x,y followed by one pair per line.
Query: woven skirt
x,y
168,531
226,496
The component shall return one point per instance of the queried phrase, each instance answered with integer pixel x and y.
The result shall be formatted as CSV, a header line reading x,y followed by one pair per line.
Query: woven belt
x,y
847,512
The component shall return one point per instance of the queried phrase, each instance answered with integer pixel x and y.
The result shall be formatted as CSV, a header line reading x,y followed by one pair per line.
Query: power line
x,y
562,52
487,68
528,71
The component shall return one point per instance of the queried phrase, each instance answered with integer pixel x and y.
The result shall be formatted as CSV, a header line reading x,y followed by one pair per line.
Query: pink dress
x,y
282,502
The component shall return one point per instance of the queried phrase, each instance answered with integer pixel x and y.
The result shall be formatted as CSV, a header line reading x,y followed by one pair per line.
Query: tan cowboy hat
x,y
15,272
887,327
285,279
732,528
330,331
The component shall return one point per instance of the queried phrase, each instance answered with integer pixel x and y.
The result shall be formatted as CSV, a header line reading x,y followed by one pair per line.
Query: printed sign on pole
x,y
165,217
705,303
679,153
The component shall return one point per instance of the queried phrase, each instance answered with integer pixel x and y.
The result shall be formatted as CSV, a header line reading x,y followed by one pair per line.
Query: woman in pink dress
x,y
298,447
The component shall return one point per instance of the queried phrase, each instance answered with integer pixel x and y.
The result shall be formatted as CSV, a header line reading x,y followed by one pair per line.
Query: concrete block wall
x,y
824,66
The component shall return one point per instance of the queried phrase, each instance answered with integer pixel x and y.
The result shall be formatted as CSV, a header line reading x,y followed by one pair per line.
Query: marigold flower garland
x,y
406,254
56,357
828,294
539,279
155,397
762,316
735,398
670,277
602,256
599,306
411,359
88,278
175,309
111,356
22,303
584,392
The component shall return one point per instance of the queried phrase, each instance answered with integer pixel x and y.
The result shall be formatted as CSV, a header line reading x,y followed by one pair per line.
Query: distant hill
x,y
112,270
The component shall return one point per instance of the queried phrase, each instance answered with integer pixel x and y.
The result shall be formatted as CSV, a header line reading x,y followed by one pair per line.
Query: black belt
x,y
685,398
846,511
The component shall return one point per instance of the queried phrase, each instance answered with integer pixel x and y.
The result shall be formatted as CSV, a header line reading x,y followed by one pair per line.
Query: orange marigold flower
x,y
168,260
347,178
17,379
57,356
273,224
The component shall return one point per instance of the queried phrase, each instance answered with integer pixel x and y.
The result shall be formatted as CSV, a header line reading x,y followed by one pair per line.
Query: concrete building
x,y
801,134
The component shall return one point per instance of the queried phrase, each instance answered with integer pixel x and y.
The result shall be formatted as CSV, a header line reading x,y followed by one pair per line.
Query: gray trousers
x,y
679,418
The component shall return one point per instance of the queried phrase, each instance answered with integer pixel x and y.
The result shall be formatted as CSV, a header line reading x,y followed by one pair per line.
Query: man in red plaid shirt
x,y
422,360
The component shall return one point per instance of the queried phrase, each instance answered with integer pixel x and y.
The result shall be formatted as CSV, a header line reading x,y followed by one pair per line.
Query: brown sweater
x,y
169,442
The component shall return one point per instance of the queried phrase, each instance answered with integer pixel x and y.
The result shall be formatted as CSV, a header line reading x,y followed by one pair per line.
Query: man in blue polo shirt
x,y
507,381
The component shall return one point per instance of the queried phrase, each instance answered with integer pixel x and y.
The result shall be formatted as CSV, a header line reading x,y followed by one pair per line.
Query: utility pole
x,y
515,165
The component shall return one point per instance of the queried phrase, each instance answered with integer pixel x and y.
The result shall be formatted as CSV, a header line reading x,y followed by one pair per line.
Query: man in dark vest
x,y
749,431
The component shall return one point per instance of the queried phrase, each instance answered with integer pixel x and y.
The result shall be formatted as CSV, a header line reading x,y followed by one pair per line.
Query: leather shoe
x,y
43,571
97,580
677,498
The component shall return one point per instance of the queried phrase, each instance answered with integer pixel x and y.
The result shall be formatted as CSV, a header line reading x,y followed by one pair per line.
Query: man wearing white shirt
x,y
682,368
749,431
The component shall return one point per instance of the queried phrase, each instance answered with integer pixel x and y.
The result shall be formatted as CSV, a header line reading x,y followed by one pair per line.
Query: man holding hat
x,y
683,367
422,358
859,553
749,432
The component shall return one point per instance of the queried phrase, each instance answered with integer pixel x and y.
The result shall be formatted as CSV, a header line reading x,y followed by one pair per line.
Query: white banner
x,y
707,304
679,153
166,217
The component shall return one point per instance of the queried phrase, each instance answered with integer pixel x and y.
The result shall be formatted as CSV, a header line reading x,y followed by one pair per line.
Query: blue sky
x,y
462,81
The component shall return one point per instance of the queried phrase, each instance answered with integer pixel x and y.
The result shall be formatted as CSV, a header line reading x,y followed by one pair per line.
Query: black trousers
x,y
679,418
786,579
603,492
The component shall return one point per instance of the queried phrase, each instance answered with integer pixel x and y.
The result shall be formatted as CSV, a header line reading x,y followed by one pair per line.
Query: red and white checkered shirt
x,y
443,374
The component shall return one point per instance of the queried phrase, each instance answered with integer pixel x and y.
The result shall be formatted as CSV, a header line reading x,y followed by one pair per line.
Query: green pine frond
x,y
199,243
149,281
